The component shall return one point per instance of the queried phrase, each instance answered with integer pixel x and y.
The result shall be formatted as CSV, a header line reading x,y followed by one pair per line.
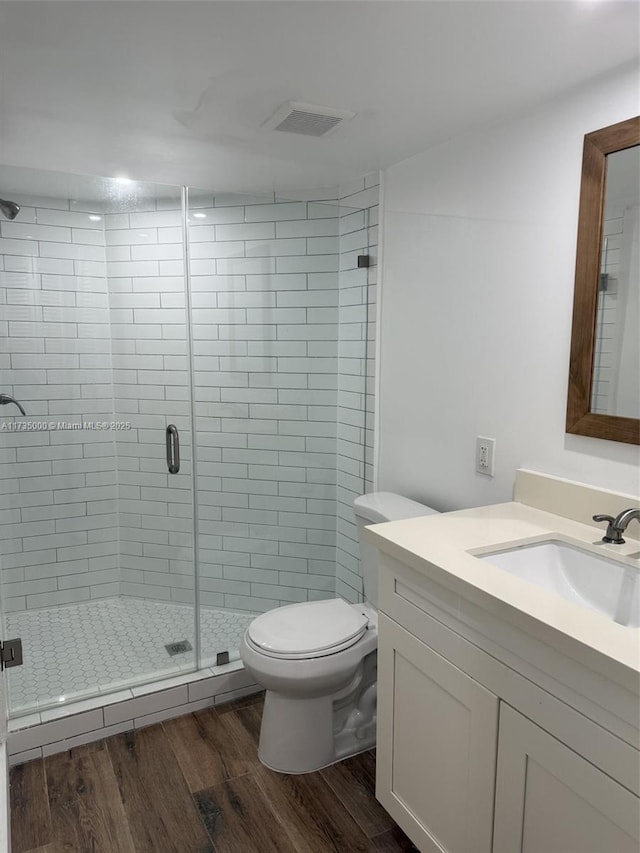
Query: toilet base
x,y
300,735
294,736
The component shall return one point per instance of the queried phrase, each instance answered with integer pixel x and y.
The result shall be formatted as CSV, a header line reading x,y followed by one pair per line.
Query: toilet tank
x,y
375,508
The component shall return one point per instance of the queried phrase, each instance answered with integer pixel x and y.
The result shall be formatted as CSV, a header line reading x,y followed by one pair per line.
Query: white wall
x,y
480,237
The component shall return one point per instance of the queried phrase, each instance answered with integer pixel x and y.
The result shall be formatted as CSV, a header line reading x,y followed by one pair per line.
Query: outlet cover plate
x,y
485,452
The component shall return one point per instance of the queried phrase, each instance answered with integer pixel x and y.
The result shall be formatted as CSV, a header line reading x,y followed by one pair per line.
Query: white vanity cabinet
x,y
475,752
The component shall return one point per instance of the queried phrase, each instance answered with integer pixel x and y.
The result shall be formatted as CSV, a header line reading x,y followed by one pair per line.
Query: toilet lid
x,y
310,629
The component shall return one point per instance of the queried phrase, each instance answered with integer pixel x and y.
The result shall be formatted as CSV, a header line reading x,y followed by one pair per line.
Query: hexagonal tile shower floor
x,y
79,650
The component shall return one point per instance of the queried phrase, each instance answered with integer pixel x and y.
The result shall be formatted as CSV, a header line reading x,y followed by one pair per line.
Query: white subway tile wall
x,y
146,274
265,293
58,525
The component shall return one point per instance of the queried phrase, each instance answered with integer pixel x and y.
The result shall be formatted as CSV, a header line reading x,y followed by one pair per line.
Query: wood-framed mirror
x,y
604,372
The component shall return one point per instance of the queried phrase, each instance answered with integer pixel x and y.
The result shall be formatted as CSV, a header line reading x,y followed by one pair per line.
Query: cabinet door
x,y
437,735
551,800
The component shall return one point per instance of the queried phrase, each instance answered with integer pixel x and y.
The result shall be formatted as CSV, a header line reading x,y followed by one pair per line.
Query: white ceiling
x,y
178,91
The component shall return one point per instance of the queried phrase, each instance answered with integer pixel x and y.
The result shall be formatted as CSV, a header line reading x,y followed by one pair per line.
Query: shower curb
x,y
44,733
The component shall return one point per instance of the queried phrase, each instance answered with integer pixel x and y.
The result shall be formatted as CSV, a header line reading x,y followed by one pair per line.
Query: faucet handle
x,y
613,535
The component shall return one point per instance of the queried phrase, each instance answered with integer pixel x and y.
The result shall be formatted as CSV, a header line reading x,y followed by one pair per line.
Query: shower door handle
x,y
173,449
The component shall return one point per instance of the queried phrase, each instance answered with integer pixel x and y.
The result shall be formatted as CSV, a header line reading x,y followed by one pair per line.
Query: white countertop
x,y
438,546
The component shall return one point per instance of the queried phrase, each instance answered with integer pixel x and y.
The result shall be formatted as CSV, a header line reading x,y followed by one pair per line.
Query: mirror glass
x,y
603,396
615,386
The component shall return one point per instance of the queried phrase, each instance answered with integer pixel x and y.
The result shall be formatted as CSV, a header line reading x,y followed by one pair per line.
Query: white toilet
x,y
318,663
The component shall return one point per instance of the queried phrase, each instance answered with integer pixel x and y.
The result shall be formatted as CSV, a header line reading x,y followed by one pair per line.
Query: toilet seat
x,y
308,630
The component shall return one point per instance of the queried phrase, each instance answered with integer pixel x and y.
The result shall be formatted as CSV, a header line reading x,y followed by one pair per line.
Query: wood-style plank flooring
x,y
195,785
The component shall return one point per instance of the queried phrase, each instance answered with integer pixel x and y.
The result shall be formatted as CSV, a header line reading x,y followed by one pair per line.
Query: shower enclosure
x,y
195,374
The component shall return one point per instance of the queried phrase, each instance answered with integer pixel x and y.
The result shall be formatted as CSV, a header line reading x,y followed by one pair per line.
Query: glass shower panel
x,y
96,536
264,277
356,378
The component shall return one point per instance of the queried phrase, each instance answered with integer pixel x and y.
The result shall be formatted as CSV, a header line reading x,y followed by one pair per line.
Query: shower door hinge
x,y
10,653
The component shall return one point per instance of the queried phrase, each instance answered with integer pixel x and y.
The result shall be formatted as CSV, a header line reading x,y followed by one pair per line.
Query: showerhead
x,y
9,208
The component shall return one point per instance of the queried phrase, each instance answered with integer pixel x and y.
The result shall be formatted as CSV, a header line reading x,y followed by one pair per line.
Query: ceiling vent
x,y
307,119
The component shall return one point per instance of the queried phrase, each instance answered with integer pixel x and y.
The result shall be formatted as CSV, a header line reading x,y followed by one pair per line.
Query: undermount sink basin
x,y
593,581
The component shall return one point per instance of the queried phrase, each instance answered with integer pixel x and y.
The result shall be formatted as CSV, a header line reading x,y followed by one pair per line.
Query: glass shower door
x,y
145,246
96,517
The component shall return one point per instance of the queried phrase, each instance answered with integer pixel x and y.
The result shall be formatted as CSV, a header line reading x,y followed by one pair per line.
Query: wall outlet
x,y
485,451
